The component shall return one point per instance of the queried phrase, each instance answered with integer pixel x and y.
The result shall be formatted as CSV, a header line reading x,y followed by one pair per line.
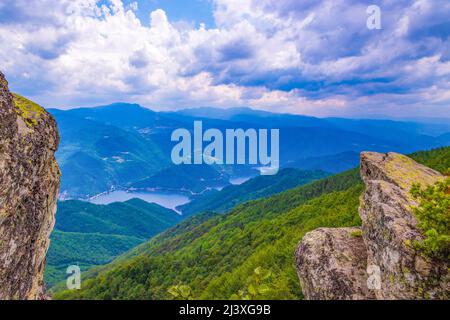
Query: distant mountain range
x,y
128,146
333,163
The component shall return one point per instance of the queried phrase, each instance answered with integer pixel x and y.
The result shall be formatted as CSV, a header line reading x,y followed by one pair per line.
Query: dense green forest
x,y
89,235
258,187
216,255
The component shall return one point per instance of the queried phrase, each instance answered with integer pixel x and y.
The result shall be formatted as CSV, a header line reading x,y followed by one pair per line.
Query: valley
x,y
102,150
216,256
109,161
94,233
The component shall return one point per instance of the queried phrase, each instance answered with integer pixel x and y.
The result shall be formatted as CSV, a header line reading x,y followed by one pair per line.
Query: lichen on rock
x,y
388,231
29,179
390,227
332,264
29,111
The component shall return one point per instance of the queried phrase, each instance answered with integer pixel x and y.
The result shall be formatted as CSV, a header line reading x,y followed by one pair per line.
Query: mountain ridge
x,y
130,145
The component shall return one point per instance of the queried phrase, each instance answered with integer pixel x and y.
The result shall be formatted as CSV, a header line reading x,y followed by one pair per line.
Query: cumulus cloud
x,y
313,57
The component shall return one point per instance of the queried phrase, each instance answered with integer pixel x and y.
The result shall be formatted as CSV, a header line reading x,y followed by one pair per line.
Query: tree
x,y
433,215
258,287
180,292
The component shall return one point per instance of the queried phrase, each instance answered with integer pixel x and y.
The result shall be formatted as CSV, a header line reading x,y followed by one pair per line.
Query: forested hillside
x,y
89,235
258,187
222,257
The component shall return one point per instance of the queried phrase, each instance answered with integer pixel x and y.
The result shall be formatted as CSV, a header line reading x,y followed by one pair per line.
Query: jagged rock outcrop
x,y
332,264
29,186
383,263
390,228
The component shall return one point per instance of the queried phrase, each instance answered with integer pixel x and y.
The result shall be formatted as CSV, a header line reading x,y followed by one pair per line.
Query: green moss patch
x,y
29,111
356,234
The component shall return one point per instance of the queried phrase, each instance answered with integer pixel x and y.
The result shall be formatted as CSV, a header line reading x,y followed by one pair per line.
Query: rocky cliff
x,y
29,185
378,261
332,265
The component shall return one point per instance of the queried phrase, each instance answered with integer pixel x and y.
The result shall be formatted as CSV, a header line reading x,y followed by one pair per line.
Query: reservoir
x,y
169,200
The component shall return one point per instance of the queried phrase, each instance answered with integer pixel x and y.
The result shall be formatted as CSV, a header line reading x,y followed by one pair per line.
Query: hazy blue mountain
x,y
88,235
401,133
258,187
332,163
94,156
426,125
192,178
131,117
444,139
126,145
397,133
255,117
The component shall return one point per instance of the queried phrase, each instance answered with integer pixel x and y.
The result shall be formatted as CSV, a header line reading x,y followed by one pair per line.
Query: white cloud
x,y
314,57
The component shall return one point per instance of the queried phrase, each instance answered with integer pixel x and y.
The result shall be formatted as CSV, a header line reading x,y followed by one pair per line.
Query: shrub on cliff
x,y
433,214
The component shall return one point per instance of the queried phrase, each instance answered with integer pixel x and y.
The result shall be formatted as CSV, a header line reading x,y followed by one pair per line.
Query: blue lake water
x,y
169,200
240,180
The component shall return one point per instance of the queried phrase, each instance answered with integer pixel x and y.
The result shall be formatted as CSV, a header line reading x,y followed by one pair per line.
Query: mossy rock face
x,y
29,111
29,180
396,169
390,228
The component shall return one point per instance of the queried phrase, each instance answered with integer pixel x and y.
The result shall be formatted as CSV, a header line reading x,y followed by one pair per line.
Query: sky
x,y
313,57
